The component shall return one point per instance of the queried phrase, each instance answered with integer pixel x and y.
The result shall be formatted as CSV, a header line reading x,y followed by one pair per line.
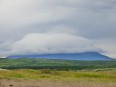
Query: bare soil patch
x,y
51,83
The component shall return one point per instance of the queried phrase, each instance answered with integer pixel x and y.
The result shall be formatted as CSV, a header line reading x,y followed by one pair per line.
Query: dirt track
x,y
47,83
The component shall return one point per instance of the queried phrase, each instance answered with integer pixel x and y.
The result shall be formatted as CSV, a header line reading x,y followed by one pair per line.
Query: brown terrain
x,y
50,83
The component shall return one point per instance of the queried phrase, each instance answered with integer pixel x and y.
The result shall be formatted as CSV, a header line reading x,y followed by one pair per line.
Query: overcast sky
x,y
57,26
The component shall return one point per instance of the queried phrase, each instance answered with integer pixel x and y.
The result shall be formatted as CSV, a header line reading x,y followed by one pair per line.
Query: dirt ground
x,y
48,83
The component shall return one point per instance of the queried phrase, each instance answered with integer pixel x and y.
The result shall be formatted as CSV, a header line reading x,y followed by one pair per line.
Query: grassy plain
x,y
56,73
55,78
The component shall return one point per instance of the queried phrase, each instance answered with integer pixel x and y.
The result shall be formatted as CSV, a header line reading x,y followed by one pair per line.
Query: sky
x,y
57,26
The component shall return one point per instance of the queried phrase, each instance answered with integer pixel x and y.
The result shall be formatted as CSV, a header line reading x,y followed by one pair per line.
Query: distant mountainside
x,y
67,56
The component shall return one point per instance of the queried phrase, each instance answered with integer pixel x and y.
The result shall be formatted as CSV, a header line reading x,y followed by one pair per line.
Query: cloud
x,y
93,20
109,46
47,43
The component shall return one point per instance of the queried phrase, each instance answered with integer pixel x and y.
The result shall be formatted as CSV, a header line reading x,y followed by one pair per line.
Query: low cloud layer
x,y
48,43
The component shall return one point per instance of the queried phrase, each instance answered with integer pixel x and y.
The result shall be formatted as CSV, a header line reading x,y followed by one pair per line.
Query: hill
x,y
67,56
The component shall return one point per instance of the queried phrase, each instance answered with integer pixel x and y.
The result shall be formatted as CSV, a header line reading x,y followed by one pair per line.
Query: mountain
x,y
67,56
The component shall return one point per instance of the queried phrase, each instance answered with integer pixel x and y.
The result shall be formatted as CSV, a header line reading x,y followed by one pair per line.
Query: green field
x,y
25,63
55,78
56,73
104,75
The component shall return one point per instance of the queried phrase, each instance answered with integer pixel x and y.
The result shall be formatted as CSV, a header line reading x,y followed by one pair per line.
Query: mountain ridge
x,y
67,56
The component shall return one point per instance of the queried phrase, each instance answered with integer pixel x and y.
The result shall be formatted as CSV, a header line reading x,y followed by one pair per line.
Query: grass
x,y
59,75
90,70
55,78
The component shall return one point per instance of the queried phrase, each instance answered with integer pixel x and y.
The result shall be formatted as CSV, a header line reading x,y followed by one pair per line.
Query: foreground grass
x,y
93,75
54,78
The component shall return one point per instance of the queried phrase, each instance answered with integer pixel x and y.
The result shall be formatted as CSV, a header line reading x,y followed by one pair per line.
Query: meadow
x,y
56,73
55,78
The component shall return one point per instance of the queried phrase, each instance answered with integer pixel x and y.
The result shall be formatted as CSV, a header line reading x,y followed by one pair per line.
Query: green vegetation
x,y
25,63
58,75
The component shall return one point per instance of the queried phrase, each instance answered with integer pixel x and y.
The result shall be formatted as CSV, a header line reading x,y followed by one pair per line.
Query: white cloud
x,y
24,12
109,46
46,43
87,18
